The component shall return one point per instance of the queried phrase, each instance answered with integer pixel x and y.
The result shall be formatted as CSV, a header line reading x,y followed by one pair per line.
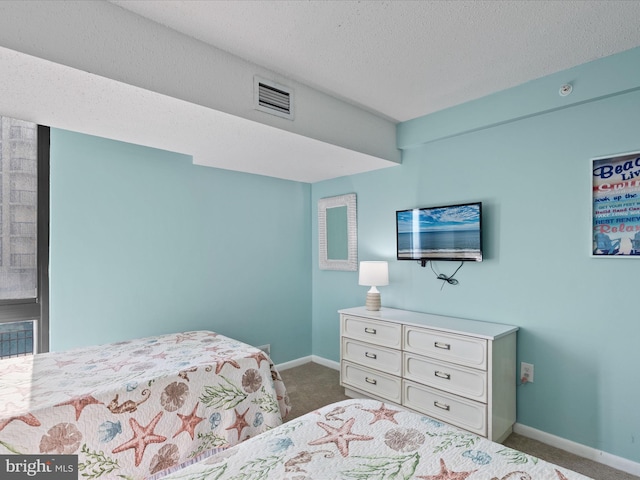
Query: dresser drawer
x,y
467,382
449,347
466,414
380,358
372,331
376,383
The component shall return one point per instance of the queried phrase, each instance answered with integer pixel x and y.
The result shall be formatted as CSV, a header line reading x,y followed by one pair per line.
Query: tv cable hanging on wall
x,y
446,279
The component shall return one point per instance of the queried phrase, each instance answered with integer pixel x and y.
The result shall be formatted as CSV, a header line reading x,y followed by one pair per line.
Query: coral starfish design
x,y
259,357
221,364
340,436
446,474
64,363
29,419
79,403
561,476
189,422
181,337
19,368
116,367
382,413
142,436
240,422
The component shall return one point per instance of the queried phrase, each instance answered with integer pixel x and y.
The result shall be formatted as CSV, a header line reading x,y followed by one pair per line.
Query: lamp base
x,y
373,301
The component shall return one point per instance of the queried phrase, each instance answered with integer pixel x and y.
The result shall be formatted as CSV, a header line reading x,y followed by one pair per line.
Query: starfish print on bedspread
x,y
340,436
142,436
446,474
64,363
189,422
116,367
181,337
29,419
18,368
382,413
240,422
222,363
214,349
259,357
561,476
79,403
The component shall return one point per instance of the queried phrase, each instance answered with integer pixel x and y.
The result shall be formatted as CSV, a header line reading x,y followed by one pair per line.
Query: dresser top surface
x,y
476,328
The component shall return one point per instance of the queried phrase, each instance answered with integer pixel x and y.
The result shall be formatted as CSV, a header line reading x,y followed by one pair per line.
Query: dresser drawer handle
x,y
372,331
372,381
446,376
442,406
444,346
370,355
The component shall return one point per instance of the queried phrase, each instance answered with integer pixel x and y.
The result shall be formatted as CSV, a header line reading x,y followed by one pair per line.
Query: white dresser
x,y
462,372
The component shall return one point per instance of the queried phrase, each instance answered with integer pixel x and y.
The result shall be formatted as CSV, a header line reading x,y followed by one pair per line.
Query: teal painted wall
x,y
143,242
531,169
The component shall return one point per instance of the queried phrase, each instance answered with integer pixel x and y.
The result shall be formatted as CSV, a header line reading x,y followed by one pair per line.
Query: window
x,y
24,237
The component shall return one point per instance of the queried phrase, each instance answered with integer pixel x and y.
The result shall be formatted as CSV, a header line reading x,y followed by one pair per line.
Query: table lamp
x,y
373,274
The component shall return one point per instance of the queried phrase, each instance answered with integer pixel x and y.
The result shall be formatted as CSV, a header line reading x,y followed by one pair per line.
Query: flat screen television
x,y
452,232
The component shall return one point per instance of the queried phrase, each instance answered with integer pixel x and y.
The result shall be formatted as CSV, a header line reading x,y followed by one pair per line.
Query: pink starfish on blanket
x,y
340,436
259,357
240,422
142,436
64,363
181,337
382,413
116,367
446,474
29,419
222,363
189,422
26,366
79,403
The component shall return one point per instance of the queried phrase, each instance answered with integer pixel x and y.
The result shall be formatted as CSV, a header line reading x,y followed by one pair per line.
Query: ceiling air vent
x,y
273,98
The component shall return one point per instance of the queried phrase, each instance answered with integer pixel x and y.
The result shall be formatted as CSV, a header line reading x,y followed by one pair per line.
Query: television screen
x,y
452,232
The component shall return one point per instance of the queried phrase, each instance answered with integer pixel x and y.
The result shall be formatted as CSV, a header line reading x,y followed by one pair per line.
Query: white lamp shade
x,y
374,274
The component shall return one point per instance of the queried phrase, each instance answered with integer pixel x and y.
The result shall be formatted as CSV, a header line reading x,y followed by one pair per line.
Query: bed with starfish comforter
x,y
368,440
134,409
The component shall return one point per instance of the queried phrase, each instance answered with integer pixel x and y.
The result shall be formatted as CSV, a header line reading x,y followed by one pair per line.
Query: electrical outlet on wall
x,y
526,372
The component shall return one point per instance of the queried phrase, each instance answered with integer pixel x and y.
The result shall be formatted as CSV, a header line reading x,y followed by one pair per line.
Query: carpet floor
x,y
311,386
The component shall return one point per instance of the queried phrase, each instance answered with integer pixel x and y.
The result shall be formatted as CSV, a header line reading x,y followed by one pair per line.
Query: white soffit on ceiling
x,y
406,59
62,97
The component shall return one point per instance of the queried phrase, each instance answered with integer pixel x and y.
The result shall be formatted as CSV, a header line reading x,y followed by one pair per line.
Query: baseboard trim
x,y
584,451
325,362
311,358
293,363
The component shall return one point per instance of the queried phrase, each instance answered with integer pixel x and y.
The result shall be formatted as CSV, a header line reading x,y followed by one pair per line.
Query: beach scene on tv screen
x,y
448,232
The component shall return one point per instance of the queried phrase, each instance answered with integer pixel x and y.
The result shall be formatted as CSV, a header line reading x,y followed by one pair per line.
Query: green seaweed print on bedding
x,y
454,439
259,469
267,403
208,441
10,447
96,464
517,458
225,396
384,468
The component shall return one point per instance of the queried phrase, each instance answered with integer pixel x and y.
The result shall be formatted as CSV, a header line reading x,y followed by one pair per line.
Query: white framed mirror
x,y
338,233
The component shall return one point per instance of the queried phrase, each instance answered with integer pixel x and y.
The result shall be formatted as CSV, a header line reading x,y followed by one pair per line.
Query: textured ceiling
x,y
405,59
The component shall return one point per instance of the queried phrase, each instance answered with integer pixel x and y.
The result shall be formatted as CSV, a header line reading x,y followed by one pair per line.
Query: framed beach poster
x,y
616,206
